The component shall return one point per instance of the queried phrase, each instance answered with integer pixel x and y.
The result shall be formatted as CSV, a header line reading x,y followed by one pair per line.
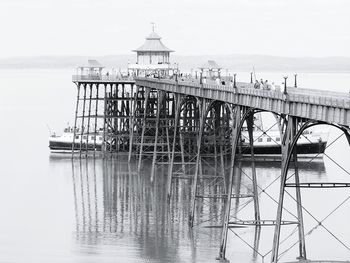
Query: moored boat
x,y
267,145
82,142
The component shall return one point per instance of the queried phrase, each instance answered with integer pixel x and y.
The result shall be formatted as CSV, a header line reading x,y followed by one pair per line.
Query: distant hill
x,y
232,62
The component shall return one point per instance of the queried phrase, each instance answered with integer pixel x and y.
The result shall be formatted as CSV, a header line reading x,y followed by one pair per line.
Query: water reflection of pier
x,y
113,202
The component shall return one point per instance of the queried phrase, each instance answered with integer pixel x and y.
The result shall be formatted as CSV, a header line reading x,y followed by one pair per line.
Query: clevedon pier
x,y
159,115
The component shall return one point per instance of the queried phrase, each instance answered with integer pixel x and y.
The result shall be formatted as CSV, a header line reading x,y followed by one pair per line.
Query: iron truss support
x,y
209,193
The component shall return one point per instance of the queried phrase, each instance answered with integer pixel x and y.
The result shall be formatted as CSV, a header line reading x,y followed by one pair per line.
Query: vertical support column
x,y
202,111
96,118
236,116
88,125
171,166
182,148
285,150
167,124
104,144
147,91
132,121
250,126
110,119
220,116
216,126
76,117
256,241
116,116
302,246
82,121
182,129
160,98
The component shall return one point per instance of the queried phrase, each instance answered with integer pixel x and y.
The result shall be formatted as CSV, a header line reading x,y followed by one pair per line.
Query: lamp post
x,y
285,84
295,80
251,77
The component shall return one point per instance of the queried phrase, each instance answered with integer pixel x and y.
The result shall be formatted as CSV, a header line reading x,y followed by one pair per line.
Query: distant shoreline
x,y
234,63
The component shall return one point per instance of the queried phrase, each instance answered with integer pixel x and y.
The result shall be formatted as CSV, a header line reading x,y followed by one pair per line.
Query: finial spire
x,y
153,26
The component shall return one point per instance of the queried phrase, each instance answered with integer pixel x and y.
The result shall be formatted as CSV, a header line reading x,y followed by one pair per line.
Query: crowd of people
x,y
264,85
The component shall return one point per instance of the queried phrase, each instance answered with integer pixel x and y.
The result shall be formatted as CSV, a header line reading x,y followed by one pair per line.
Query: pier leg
x,y
132,123
221,147
82,122
96,113
171,166
215,127
250,126
234,138
199,142
104,144
285,149
76,118
182,151
147,90
155,148
88,125
302,246
167,123
256,241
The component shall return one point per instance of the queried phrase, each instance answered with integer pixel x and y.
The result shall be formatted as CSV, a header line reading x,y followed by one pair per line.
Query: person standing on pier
x,y
256,84
261,84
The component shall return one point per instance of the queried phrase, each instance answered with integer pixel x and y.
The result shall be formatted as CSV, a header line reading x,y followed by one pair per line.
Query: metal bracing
x,y
185,132
295,129
248,118
110,112
286,145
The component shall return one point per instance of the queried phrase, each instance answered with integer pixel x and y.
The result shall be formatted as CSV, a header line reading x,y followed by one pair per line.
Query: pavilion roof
x,y
153,44
92,63
210,64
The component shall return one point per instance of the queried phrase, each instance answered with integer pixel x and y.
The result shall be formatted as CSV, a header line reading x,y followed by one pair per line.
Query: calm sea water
x,y
56,210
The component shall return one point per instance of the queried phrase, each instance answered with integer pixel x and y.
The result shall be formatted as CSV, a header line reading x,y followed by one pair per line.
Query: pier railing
x,y
328,106
102,78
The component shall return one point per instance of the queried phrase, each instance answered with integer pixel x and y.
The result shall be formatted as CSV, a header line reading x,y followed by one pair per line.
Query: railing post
x,y
251,77
234,80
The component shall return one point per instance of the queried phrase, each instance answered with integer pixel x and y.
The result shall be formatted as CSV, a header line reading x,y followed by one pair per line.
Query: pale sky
x,y
105,27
